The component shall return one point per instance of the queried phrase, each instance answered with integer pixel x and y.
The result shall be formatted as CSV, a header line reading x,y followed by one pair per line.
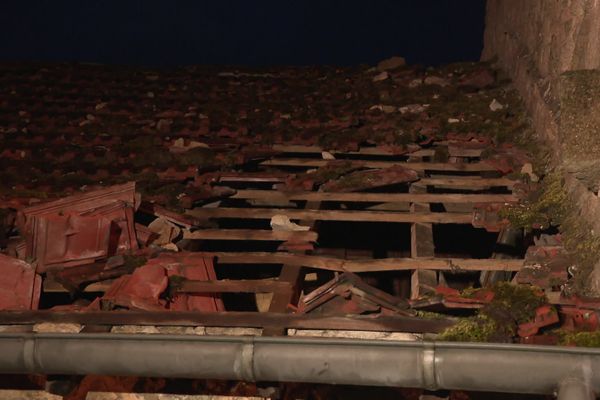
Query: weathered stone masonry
x,y
551,50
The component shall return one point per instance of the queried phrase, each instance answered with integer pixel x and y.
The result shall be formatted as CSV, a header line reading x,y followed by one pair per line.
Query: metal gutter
x,y
430,365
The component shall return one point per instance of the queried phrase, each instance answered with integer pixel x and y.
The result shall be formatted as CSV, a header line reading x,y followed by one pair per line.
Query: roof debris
x,y
369,179
151,193
348,294
80,229
282,223
20,286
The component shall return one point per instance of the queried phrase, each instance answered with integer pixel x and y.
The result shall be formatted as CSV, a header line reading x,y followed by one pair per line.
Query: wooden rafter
x,y
291,274
228,319
377,151
333,215
250,234
419,166
421,245
369,265
375,197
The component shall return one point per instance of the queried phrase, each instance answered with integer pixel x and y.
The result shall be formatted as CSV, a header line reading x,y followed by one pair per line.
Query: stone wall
x,y
551,50
555,35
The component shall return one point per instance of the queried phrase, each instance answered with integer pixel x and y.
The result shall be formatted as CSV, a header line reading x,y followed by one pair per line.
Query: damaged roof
x,y
68,127
191,194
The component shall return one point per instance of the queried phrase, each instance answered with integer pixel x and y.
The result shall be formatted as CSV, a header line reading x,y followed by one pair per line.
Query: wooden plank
x,y
467,182
249,177
251,234
374,197
228,319
104,395
375,151
333,215
171,216
293,275
421,240
419,166
290,274
194,286
452,151
233,286
369,265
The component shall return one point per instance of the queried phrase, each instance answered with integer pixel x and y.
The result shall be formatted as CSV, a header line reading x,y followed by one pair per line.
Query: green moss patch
x,y
544,207
475,329
498,321
550,206
581,339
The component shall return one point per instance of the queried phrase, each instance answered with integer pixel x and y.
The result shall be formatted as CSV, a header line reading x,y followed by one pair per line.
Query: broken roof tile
x,y
20,286
80,229
369,179
146,288
348,294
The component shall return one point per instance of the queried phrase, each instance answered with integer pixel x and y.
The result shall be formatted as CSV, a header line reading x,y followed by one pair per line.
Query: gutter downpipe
x,y
573,373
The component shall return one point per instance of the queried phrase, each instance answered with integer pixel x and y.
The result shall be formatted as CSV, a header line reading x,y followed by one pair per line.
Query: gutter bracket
x,y
574,389
29,355
246,362
428,364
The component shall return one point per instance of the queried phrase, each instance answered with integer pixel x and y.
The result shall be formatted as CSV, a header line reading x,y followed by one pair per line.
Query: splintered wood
x,y
235,232
460,184
267,223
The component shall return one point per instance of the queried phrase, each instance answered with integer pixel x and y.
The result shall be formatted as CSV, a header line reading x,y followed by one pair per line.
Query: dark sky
x,y
255,32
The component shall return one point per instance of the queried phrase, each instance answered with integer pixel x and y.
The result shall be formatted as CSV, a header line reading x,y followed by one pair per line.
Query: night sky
x,y
252,32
